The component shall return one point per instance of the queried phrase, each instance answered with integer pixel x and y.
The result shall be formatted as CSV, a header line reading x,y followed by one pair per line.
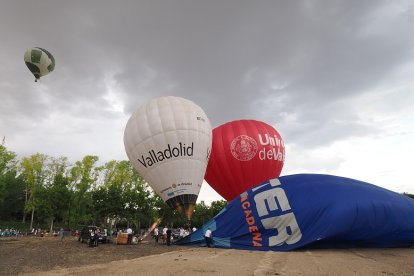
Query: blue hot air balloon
x,y
312,210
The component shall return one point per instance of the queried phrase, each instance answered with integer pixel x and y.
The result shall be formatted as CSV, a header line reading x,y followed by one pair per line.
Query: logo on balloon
x,y
243,148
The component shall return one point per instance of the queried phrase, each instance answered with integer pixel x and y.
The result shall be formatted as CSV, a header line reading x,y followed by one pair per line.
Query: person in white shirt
x,y
208,237
156,234
129,232
181,232
164,234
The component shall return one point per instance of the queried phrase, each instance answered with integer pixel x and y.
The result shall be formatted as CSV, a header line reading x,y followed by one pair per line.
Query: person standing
x,y
164,234
169,232
208,236
129,232
156,234
182,232
62,234
97,233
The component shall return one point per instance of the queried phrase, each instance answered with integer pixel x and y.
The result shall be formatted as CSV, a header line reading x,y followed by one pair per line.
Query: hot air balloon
x,y
168,141
311,210
244,153
39,61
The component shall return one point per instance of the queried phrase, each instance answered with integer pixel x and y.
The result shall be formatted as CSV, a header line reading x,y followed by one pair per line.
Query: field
x,y
29,254
50,256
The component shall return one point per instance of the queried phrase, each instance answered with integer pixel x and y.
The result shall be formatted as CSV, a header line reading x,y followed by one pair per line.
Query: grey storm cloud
x,y
299,65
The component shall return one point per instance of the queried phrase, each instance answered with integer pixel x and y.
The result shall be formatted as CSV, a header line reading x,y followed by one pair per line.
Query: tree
x,y
83,177
122,194
7,170
409,195
13,200
56,196
217,206
54,191
201,215
34,171
164,213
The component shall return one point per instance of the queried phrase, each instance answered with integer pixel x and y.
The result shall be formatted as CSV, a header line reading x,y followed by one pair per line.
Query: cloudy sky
x,y
335,78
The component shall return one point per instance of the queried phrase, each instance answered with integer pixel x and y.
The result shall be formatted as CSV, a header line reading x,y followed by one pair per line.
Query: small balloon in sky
x,y
244,153
39,61
168,141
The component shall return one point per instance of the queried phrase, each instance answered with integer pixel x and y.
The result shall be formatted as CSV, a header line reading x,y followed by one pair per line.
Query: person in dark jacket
x,y
169,236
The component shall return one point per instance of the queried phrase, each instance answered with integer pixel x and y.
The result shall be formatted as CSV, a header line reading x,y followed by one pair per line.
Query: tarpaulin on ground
x,y
301,210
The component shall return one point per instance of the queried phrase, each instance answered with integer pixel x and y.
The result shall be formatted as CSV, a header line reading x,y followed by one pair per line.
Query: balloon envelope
x,y
311,210
244,153
39,61
168,141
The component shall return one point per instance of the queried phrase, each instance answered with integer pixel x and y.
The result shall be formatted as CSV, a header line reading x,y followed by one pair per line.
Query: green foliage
x,y
165,214
202,214
83,176
34,173
14,224
54,193
409,195
217,206
13,197
7,173
7,160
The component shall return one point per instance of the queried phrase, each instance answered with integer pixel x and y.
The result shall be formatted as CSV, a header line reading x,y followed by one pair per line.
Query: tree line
x,y
48,192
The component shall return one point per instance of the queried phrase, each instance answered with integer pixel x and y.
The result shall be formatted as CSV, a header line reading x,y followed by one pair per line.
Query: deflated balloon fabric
x,y
312,210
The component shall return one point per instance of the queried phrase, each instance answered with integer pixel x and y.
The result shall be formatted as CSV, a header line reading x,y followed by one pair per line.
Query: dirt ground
x,y
49,256
29,254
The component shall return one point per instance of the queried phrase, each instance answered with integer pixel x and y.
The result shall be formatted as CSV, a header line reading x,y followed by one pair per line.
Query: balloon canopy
x,y
168,141
39,61
244,153
311,210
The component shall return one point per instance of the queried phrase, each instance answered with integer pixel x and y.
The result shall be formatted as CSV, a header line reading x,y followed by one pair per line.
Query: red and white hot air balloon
x,y
244,153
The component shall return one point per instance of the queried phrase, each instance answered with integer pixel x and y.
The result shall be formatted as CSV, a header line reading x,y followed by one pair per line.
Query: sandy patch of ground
x,y
205,261
50,256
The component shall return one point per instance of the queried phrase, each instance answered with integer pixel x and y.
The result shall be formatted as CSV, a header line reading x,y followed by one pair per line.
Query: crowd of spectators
x,y
35,232
10,232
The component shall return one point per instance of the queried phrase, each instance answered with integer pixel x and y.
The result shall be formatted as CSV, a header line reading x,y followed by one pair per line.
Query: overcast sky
x,y
335,78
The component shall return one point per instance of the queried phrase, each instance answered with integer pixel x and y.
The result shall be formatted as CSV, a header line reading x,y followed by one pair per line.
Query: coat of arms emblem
x,y
243,148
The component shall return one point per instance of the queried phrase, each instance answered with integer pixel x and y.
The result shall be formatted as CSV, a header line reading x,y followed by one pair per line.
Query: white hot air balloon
x,y
168,141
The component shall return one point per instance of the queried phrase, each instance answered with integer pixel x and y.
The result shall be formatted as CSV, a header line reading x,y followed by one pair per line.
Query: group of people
x,y
13,232
94,237
166,235
9,232
128,231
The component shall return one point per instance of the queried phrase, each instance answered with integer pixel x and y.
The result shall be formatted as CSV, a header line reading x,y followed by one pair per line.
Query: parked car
x,y
175,234
84,235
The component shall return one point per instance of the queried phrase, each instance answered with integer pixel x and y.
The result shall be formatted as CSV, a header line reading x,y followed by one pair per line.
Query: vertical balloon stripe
x,y
229,173
51,66
34,69
36,55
